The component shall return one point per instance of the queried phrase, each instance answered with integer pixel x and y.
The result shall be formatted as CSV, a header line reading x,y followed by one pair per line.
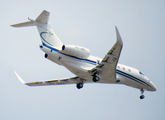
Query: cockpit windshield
x,y
141,73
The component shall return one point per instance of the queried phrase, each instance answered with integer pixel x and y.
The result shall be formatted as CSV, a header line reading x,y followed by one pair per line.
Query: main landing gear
x,y
96,78
142,96
79,85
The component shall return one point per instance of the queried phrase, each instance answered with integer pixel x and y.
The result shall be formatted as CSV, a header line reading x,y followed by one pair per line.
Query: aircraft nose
x,y
153,87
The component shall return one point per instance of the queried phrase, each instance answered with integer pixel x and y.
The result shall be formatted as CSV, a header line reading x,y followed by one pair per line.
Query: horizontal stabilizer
x,y
24,24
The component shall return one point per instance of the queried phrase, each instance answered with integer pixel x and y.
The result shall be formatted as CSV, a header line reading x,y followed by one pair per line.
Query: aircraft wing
x,y
51,82
107,67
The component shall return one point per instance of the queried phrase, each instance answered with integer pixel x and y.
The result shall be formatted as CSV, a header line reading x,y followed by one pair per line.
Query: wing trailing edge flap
x,y
107,67
51,82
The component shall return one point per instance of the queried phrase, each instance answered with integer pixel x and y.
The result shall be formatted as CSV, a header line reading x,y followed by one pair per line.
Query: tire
x,y
95,78
79,86
142,97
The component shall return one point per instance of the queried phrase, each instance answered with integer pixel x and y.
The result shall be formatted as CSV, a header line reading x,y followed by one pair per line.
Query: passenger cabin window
x,y
123,68
129,70
141,73
118,67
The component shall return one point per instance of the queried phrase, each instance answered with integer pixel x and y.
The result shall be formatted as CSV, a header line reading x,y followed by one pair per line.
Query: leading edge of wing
x,y
50,82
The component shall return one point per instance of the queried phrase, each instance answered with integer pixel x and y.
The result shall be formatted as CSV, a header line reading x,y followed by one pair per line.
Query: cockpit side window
x,y
141,73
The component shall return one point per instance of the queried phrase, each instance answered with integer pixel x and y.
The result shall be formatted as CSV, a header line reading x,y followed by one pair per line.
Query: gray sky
x,y
91,24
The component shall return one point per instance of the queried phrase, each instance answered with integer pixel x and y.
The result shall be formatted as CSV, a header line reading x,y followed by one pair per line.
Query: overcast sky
x,y
91,24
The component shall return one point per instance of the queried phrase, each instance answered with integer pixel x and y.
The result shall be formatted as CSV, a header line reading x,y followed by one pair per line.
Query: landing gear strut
x,y
142,96
79,85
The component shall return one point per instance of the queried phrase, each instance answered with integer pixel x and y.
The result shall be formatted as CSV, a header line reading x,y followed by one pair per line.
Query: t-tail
x,y
48,37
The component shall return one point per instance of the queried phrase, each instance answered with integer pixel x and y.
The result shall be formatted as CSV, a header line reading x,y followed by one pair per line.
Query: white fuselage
x,y
87,68
79,66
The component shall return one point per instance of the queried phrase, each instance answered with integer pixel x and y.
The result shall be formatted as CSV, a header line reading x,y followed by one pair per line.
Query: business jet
x,y
87,68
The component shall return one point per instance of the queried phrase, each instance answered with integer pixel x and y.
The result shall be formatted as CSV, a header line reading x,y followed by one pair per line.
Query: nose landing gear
x,y
142,96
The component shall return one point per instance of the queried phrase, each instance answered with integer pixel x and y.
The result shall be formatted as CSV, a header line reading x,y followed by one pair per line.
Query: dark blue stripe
x,y
94,63
50,47
86,60
132,77
43,38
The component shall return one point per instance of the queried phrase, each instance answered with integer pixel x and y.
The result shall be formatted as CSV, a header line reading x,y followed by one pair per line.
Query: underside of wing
x,y
107,67
55,82
73,80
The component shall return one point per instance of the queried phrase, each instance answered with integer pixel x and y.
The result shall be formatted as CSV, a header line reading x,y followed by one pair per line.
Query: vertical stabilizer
x,y
43,17
48,37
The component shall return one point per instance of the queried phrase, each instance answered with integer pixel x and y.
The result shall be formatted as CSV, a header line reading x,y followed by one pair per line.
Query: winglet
x,y
119,40
20,79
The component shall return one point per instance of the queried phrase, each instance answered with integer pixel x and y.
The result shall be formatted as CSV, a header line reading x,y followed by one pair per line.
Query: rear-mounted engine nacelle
x,y
76,51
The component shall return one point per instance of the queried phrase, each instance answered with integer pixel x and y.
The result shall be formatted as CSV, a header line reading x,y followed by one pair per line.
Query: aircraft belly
x,y
78,71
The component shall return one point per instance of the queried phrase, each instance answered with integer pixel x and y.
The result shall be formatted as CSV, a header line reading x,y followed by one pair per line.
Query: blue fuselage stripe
x,y
94,63
132,77
56,50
